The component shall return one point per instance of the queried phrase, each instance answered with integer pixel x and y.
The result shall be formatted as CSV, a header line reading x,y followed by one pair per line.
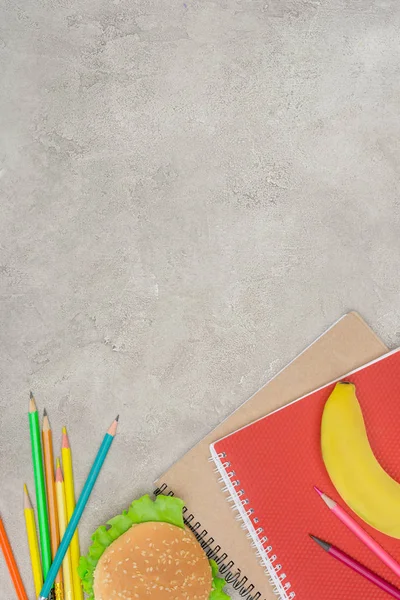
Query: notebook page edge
x,y
332,326
372,362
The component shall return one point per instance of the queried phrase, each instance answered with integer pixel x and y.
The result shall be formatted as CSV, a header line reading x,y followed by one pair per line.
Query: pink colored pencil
x,y
358,568
360,533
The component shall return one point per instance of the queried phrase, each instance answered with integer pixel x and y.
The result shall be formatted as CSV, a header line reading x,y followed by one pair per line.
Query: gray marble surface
x,y
190,193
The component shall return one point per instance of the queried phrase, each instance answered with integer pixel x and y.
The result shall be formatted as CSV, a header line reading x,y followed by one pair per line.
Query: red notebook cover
x,y
270,468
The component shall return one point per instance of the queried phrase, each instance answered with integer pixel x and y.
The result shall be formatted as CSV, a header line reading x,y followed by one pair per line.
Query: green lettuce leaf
x,y
166,509
218,584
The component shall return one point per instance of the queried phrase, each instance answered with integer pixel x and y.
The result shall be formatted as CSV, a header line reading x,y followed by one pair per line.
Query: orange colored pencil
x,y
11,563
48,459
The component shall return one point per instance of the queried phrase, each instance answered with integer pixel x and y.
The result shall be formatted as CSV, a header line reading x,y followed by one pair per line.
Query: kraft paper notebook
x,y
270,468
348,344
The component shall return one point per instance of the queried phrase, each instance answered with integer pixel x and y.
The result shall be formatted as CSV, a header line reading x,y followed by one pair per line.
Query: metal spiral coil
x,y
233,576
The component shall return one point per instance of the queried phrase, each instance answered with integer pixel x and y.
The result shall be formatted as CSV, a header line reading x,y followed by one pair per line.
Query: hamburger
x,y
148,552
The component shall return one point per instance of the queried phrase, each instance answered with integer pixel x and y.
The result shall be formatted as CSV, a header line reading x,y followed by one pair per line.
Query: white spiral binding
x,y
282,588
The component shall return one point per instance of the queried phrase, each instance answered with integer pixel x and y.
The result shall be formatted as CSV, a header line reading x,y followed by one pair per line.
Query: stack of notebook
x,y
264,458
270,469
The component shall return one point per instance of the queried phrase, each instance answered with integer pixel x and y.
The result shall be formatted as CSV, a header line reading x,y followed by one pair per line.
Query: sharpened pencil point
x,y
46,422
65,440
328,501
30,395
321,543
59,475
27,500
32,404
113,427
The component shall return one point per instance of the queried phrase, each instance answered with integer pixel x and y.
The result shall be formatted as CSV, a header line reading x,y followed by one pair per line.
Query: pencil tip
x,y
321,543
30,395
328,501
318,490
27,500
112,430
46,422
32,403
65,440
59,475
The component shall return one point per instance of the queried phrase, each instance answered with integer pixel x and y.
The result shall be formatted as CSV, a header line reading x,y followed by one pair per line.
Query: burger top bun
x,y
154,561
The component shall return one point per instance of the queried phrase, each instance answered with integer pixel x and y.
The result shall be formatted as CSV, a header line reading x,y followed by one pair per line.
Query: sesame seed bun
x,y
156,561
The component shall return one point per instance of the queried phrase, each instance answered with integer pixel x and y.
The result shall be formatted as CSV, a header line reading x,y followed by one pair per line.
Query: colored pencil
x,y
33,542
48,459
70,502
62,519
79,508
11,563
40,488
358,568
360,533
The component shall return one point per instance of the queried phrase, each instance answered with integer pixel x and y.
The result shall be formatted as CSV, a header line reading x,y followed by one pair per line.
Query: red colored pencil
x,y
11,563
358,568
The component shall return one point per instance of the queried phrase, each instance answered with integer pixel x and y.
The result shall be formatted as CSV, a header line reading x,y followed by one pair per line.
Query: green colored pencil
x,y
40,488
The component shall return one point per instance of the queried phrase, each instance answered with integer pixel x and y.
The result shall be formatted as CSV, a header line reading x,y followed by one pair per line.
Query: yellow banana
x,y
356,474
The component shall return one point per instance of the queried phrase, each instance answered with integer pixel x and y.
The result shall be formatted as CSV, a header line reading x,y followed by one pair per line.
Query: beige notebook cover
x,y
348,344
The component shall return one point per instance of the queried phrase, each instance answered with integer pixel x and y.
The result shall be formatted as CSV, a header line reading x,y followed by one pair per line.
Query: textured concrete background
x,y
191,192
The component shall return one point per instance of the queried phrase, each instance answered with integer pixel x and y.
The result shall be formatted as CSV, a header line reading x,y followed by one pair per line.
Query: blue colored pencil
x,y
79,508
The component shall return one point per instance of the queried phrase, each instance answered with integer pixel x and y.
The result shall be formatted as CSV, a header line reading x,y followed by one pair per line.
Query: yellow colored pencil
x,y
33,542
62,523
70,502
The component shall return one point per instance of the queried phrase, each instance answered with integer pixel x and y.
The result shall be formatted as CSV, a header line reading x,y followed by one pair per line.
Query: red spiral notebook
x,y
270,467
